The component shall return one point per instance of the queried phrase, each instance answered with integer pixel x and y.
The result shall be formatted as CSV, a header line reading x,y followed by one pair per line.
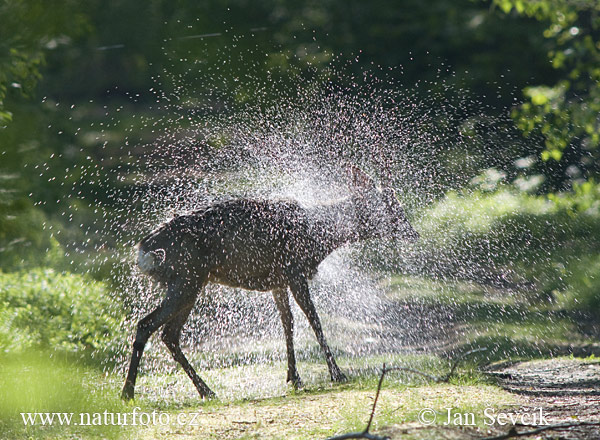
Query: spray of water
x,y
289,139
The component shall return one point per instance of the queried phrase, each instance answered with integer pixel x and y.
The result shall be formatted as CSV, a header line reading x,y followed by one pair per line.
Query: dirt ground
x,y
562,390
566,390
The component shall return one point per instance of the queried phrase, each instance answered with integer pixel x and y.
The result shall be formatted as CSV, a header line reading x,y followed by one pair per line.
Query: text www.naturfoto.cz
x,y
106,418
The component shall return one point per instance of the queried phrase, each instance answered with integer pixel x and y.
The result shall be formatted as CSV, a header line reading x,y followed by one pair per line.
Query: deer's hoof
x,y
127,393
339,377
295,381
207,393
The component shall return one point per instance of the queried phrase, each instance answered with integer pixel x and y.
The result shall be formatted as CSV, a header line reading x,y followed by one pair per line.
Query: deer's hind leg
x,y
299,289
171,336
171,305
287,319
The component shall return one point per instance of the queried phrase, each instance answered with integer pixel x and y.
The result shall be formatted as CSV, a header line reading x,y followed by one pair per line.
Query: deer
x,y
259,245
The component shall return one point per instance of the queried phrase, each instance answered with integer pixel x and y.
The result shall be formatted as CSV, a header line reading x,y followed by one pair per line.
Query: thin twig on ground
x,y
459,359
366,434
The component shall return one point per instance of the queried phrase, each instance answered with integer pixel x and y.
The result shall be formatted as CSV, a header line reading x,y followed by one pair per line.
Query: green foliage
x,y
528,240
42,308
18,70
566,113
29,29
24,242
583,286
585,198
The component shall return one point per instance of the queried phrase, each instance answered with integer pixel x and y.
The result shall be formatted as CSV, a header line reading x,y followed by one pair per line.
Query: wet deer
x,y
258,245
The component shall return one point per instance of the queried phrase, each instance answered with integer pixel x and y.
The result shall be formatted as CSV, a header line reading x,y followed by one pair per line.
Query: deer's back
x,y
254,244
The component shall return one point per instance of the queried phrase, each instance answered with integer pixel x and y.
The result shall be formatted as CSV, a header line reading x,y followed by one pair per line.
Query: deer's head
x,y
379,211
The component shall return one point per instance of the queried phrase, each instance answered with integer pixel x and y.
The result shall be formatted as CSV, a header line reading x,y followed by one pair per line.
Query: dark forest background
x,y
80,80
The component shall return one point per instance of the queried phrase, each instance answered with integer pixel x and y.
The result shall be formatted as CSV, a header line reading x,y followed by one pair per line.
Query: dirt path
x,y
564,390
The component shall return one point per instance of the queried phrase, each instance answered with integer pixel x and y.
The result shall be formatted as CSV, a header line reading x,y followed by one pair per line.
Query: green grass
x,y
506,323
54,382
549,243
254,399
450,293
40,382
322,409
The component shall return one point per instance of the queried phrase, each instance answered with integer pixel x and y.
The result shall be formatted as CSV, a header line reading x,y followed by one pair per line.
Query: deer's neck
x,y
338,224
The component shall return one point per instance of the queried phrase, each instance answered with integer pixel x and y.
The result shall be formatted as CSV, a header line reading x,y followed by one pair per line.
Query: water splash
x,y
292,139
295,148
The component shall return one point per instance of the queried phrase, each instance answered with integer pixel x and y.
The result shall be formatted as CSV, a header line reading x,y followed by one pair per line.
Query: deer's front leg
x,y
287,319
299,288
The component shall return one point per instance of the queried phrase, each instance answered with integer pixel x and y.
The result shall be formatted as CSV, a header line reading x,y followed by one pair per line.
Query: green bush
x,y
546,243
583,286
24,241
42,308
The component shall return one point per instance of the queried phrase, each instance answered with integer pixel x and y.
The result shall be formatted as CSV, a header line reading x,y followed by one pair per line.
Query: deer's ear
x,y
358,178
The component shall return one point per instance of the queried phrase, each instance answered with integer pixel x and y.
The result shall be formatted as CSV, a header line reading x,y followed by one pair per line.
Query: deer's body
x,y
246,243
256,245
